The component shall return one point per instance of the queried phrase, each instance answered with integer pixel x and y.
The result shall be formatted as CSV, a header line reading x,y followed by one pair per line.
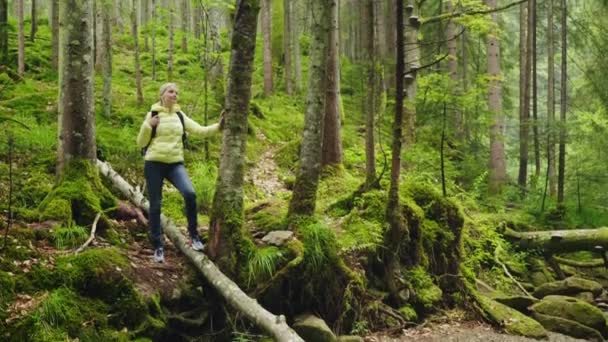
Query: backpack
x,y
184,137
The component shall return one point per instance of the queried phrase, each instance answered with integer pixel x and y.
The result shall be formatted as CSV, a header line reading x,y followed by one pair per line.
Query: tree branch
x,y
475,12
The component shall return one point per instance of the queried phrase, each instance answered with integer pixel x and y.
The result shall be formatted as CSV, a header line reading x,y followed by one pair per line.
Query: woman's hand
x,y
153,121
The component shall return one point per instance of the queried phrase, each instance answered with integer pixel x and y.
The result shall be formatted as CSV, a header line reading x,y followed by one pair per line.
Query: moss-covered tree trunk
x,y
307,177
226,235
76,114
397,230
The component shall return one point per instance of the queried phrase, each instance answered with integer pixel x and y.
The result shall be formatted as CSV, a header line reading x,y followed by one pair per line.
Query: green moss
x,y
59,209
262,263
426,293
513,321
572,309
69,237
408,313
271,217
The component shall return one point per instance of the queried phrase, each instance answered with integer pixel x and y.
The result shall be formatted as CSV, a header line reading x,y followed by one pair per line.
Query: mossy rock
x,y
539,273
519,303
572,309
312,328
408,313
568,287
587,297
568,327
513,321
269,217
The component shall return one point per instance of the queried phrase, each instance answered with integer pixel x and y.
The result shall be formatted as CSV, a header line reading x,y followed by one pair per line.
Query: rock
x,y
568,327
513,321
585,297
568,287
572,309
519,303
350,338
312,328
278,237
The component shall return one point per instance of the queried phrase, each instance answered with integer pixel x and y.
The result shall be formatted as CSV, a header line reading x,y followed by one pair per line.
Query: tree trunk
x,y
295,39
525,39
225,233
370,152
535,93
34,22
4,32
452,44
561,171
107,58
267,37
498,171
98,31
412,63
273,325
288,47
21,39
390,27
145,16
560,241
135,33
184,26
54,33
154,40
393,236
551,101
76,115
331,150
304,195
171,45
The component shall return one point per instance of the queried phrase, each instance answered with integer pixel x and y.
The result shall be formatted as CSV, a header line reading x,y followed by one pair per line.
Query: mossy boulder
x,y
313,328
513,321
519,303
568,287
568,327
572,309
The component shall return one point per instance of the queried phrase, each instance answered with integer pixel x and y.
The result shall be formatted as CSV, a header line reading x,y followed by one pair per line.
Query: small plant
x,y
262,263
69,237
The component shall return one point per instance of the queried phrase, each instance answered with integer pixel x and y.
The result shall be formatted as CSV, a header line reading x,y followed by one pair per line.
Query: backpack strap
x,y
181,119
152,135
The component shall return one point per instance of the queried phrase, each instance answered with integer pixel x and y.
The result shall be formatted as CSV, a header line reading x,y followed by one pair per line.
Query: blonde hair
x,y
163,89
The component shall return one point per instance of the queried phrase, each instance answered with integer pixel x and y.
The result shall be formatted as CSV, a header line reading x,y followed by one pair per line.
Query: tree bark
x,y
551,101
4,32
171,45
561,171
525,54
288,47
498,171
560,241
370,152
225,233
273,325
412,63
184,23
304,195
331,150
135,33
107,58
535,93
20,40
98,31
54,33
452,45
267,37
76,115
154,15
295,38
34,22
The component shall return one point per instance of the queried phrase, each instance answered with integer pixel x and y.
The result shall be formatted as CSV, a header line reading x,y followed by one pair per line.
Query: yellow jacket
x,y
166,146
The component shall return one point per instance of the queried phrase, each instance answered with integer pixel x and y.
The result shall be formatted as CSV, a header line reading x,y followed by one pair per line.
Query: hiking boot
x,y
159,255
196,244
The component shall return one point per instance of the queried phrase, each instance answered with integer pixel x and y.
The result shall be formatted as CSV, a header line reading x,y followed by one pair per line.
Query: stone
x,y
312,328
585,297
513,321
572,309
519,303
567,327
568,287
278,237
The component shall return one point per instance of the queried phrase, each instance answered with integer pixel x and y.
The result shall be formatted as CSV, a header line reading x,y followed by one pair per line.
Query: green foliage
x,y
426,293
262,263
320,247
69,237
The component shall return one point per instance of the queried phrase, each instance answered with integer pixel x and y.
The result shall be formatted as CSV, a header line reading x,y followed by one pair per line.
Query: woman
x,y
161,136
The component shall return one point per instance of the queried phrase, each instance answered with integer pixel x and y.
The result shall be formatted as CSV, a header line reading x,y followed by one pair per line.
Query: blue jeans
x,y
155,173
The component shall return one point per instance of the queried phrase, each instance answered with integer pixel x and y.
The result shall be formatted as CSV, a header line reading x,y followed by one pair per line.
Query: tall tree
x,y
536,137
21,39
267,41
76,115
561,172
303,199
34,21
54,32
171,44
370,105
498,169
288,46
135,33
525,82
412,63
295,38
452,45
331,152
154,15
98,32
226,235
550,101
107,58
184,22
4,32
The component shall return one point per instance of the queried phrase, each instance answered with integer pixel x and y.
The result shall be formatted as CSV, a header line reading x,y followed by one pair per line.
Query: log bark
x,y
272,324
560,241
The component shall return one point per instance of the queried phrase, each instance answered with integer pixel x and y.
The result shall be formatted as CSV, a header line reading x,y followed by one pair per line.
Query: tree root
x,y
91,237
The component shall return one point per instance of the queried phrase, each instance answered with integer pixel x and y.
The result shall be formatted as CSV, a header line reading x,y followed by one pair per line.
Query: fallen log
x,y
561,241
272,324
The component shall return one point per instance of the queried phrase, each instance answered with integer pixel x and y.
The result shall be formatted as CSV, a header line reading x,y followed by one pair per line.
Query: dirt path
x,y
264,175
